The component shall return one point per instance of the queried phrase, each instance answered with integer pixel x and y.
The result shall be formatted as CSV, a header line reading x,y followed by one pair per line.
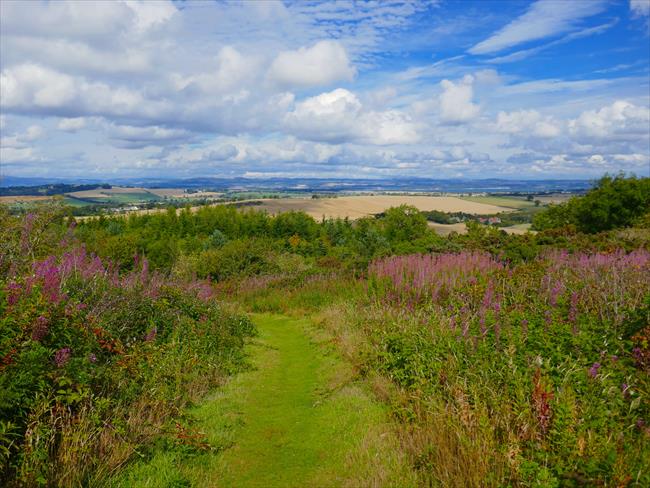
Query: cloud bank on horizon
x,y
439,88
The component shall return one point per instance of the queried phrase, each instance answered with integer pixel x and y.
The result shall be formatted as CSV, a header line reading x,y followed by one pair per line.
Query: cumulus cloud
x,y
321,64
640,7
222,153
30,88
621,120
18,147
543,19
456,101
232,71
23,139
72,124
528,122
329,116
339,116
596,141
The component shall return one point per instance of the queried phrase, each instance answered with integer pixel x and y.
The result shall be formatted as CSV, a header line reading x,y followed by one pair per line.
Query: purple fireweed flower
x,y
466,325
489,295
593,371
640,423
524,326
555,293
637,354
92,358
452,323
62,356
39,331
548,318
13,292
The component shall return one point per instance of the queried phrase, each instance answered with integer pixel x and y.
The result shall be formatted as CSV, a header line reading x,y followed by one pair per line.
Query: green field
x,y
508,202
114,199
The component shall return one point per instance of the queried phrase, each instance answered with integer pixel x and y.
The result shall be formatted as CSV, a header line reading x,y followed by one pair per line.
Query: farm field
x,y
354,207
446,229
556,198
117,195
8,200
508,202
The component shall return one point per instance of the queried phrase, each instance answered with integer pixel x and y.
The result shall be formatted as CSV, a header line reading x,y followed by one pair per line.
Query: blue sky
x,y
475,89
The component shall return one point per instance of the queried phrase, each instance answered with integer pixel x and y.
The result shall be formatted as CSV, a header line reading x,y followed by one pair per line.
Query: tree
x,y
404,223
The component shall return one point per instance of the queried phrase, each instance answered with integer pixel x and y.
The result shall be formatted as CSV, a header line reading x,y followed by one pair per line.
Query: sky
x,y
379,89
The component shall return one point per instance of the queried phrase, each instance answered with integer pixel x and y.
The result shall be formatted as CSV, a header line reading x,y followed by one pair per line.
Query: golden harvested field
x,y
355,207
446,229
24,198
557,198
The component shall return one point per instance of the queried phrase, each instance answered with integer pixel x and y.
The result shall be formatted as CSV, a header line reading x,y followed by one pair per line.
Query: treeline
x,y
48,190
615,202
220,242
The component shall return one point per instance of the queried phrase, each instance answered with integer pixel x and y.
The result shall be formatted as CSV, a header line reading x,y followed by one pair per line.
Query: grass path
x,y
295,420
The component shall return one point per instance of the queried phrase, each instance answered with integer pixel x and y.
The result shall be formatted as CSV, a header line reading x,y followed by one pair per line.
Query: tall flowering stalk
x,y
484,294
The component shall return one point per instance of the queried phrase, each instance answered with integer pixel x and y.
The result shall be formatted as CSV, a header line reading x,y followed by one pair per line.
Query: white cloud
x,y
328,117
526,53
640,7
72,125
16,155
321,64
148,14
527,122
456,101
543,19
232,72
83,20
33,88
339,116
23,139
77,56
620,120
131,137
29,84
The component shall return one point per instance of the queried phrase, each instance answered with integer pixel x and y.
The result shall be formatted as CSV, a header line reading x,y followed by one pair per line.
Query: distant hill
x,y
327,184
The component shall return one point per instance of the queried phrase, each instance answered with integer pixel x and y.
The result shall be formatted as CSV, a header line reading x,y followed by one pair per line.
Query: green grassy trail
x,y
295,420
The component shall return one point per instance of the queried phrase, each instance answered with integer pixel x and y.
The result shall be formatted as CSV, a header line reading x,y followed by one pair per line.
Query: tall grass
x,y
533,374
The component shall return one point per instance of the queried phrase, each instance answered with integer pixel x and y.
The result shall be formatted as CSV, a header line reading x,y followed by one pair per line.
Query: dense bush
x,y
94,362
614,202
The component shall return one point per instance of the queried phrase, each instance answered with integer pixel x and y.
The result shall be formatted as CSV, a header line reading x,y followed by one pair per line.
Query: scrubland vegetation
x,y
505,360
